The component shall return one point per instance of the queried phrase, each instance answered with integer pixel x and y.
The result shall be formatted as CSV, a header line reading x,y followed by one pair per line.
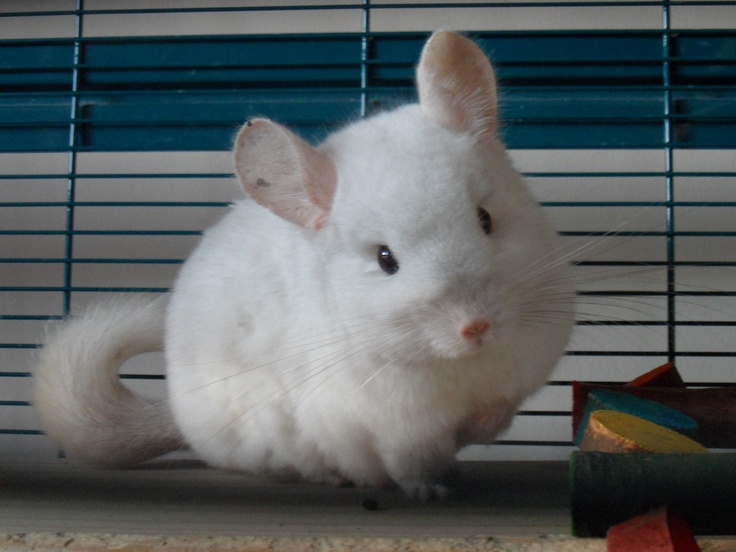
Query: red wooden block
x,y
661,530
661,376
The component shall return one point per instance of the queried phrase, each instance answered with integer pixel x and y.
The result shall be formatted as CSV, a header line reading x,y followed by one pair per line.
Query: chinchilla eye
x,y
387,261
484,217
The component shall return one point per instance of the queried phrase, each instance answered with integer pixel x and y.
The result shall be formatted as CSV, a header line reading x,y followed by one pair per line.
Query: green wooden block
x,y
607,489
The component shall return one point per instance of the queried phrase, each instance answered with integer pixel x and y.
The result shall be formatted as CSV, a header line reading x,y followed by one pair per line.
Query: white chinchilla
x,y
375,304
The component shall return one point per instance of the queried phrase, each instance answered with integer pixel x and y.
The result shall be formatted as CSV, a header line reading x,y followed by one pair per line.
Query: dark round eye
x,y
484,217
387,261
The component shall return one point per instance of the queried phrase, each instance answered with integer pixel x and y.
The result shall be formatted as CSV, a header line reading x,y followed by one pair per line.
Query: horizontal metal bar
x,y
639,174
350,91
598,120
106,176
378,63
624,323
558,413
156,204
155,11
360,7
656,293
606,293
714,146
30,317
517,121
73,289
18,346
611,234
534,174
223,204
36,260
648,234
601,233
695,385
292,89
729,204
115,123
100,232
179,66
704,264
689,323
663,354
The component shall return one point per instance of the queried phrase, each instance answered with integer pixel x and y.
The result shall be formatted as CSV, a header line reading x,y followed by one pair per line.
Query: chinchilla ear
x,y
284,173
456,84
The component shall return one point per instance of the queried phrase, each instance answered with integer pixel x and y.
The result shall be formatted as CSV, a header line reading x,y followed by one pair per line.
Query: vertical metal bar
x,y
669,179
71,183
364,57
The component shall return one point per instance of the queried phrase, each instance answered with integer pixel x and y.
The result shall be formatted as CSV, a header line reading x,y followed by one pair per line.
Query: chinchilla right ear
x,y
456,85
284,173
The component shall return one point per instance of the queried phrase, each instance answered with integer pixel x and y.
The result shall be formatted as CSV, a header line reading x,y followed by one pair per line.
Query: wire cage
x,y
116,120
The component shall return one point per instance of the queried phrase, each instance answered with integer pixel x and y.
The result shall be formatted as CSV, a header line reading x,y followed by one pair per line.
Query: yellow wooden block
x,y
612,431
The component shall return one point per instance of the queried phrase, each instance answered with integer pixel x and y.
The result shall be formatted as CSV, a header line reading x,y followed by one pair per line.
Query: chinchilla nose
x,y
475,329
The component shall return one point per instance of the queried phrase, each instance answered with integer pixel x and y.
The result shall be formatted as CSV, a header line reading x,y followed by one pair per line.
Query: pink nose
x,y
475,329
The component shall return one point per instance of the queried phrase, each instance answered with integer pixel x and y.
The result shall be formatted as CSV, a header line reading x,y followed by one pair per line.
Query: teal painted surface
x,y
561,90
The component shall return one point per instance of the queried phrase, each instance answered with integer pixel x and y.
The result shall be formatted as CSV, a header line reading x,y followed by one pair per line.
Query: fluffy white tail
x,y
78,393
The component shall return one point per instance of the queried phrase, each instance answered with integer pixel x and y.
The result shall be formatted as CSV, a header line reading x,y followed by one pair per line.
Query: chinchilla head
x,y
430,246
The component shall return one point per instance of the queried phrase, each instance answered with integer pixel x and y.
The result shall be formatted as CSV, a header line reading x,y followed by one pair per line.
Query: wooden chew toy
x,y
607,489
714,409
661,376
614,431
670,418
661,530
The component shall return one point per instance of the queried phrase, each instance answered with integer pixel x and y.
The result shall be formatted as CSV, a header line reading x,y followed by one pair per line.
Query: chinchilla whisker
x,y
325,368
289,350
255,408
322,365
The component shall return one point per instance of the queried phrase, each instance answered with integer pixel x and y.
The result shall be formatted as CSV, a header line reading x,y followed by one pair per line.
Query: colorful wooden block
x,y
613,431
660,530
713,409
655,412
661,376
607,489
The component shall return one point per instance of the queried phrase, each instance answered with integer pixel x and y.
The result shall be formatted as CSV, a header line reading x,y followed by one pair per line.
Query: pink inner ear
x,y
284,173
456,84
321,181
